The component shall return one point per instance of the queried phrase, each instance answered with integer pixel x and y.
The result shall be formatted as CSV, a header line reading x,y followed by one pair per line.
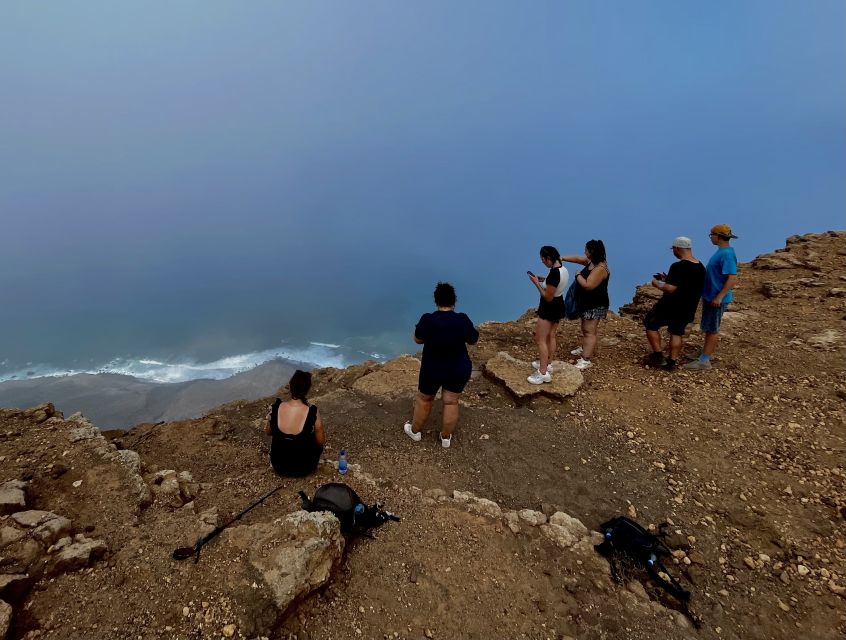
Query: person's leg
x,y
589,330
551,344
654,339
542,331
711,321
711,340
450,417
675,346
422,409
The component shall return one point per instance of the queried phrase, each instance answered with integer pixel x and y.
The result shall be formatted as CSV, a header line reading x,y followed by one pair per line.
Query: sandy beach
x,y
115,401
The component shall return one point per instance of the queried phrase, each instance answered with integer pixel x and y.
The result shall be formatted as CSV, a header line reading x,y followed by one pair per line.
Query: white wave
x,y
152,370
326,344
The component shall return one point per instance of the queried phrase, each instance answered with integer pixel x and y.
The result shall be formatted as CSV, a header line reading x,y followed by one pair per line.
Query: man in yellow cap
x,y
720,277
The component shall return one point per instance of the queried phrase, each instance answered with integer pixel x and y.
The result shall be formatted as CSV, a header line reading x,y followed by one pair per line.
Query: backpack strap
x,y
672,587
307,504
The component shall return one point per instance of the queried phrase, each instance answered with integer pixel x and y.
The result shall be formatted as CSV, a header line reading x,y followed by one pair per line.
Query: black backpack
x,y
354,515
625,538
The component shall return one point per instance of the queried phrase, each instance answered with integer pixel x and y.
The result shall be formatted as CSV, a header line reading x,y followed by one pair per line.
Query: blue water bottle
x,y
342,462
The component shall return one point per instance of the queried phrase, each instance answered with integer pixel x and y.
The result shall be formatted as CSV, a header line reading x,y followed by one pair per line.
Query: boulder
x,y
131,462
78,555
395,378
52,529
293,556
5,619
573,525
531,517
8,535
12,497
32,518
561,536
511,372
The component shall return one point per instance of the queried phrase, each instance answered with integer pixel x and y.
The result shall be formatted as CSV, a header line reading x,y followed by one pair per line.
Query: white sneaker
x,y
445,442
577,351
414,436
539,378
536,366
583,364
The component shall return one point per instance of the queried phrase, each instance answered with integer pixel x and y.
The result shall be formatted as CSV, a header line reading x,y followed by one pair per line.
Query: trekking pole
x,y
183,553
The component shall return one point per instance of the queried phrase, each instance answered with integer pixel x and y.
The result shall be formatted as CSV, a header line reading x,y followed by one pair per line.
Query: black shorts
x,y
658,317
452,379
551,310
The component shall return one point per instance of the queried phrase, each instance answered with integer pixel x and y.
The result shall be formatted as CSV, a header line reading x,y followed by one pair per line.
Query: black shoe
x,y
669,365
655,359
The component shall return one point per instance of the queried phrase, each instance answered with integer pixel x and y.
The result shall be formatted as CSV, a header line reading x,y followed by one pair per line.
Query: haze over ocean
x,y
212,183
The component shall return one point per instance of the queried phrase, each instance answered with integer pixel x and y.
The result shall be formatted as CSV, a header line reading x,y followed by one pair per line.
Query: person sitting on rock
x,y
445,365
297,430
682,286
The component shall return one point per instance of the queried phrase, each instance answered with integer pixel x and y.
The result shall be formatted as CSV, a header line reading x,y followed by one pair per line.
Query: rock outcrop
x,y
512,373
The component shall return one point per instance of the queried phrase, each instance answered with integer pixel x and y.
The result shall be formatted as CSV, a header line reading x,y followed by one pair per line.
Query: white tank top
x,y
565,279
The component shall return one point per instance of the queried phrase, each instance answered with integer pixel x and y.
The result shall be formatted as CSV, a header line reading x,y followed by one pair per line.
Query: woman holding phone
x,y
550,311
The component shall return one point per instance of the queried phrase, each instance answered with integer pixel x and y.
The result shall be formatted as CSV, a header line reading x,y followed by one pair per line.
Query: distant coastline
x,y
115,401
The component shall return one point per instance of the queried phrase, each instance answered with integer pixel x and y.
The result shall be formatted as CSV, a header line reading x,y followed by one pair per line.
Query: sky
x,y
205,178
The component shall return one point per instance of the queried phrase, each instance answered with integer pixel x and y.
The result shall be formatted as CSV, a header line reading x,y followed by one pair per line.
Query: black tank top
x,y
294,454
594,298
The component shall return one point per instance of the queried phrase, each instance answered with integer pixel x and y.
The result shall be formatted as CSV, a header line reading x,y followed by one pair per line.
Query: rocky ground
x,y
744,461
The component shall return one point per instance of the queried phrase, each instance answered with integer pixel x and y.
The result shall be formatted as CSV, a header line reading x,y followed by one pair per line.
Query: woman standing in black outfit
x,y
591,297
550,312
445,365
297,430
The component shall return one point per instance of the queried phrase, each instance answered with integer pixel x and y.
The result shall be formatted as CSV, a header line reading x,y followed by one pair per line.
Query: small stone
x,y
77,484
229,630
723,592
186,611
783,606
484,436
802,570
749,562
632,511
784,577
836,588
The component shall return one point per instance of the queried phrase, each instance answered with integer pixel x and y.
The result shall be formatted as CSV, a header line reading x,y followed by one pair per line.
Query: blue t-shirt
x,y
721,265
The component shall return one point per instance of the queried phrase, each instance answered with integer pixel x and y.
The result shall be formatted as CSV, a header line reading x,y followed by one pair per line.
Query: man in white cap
x,y
721,276
682,286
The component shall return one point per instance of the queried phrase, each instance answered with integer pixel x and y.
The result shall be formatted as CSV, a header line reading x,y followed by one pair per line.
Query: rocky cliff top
x,y
744,461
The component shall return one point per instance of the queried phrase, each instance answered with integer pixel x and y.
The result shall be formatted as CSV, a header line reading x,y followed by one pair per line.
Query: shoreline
x,y
118,401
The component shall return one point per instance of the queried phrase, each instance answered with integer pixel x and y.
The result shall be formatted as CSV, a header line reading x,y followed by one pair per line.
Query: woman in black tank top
x,y
591,297
297,430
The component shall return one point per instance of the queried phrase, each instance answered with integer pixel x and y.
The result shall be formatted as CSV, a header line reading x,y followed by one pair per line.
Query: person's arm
x,y
577,259
666,281
319,431
731,280
594,278
420,329
472,332
666,287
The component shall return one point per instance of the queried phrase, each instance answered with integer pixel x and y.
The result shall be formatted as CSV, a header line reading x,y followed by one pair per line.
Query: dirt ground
x,y
746,462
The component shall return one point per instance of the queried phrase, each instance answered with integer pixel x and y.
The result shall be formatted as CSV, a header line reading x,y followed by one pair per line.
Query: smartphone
x,y
658,276
530,273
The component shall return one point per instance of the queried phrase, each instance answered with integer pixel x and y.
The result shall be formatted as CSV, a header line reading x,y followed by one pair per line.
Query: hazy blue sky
x,y
209,177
